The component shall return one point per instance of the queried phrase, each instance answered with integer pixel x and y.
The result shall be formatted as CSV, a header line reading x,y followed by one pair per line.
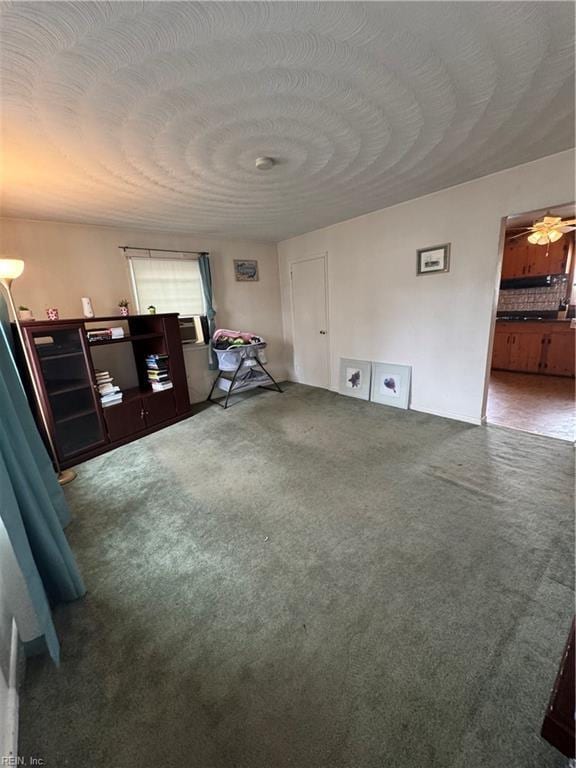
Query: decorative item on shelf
x,y
433,259
151,309
87,310
24,313
123,304
355,378
246,271
10,270
52,314
391,384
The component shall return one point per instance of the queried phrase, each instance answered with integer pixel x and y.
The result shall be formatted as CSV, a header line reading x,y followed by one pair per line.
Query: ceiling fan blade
x,y
565,229
515,237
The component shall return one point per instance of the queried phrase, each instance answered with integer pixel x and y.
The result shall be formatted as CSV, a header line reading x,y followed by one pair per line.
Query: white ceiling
x,y
152,115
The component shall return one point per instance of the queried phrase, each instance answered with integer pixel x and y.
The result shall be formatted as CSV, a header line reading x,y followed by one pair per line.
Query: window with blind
x,y
169,284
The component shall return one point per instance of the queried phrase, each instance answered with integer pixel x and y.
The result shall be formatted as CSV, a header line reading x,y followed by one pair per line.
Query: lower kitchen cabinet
x,y
560,355
526,351
534,347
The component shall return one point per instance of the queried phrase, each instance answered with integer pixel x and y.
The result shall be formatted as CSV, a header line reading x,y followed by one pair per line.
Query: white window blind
x,y
169,284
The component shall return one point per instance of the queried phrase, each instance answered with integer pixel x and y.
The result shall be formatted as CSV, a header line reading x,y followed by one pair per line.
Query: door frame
x,y
494,314
298,260
496,292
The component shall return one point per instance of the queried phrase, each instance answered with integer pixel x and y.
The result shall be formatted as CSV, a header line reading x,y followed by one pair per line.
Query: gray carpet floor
x,y
312,581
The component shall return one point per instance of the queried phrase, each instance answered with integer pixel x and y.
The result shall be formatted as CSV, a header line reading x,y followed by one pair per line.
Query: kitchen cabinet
x,y
560,355
551,260
522,259
501,349
534,347
515,258
526,351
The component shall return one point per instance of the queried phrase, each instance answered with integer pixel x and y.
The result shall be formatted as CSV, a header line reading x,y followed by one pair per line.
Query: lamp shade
x,y
10,269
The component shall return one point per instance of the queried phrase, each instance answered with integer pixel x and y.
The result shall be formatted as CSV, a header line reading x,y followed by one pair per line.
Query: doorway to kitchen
x,y
532,368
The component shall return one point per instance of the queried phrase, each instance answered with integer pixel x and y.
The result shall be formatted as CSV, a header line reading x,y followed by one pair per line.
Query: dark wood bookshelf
x,y
80,425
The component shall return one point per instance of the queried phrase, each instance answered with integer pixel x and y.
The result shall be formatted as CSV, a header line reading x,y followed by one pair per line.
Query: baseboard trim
x,y
477,422
10,725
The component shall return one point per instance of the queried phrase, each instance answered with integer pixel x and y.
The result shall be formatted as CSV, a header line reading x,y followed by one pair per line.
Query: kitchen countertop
x,y
532,320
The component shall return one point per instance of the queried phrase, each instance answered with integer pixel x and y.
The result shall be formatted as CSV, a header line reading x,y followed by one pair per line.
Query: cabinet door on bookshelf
x,y
63,372
159,407
124,419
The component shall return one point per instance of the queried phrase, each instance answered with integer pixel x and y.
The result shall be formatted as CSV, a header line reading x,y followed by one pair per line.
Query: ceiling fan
x,y
547,230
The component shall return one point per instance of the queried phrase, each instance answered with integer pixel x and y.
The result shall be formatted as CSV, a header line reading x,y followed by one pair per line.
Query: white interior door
x,y
310,322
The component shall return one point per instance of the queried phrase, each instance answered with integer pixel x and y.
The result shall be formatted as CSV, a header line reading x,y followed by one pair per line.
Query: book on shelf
x,y
108,389
157,362
158,373
105,334
106,403
110,393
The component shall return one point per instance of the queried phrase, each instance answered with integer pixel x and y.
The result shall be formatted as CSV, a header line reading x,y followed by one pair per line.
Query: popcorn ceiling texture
x,y
152,114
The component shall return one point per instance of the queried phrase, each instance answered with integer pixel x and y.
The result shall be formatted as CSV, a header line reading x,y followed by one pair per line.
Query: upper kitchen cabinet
x,y
548,260
515,258
522,259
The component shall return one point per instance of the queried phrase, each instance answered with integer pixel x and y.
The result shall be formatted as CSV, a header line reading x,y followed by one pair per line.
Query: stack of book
x,y
110,393
105,334
158,374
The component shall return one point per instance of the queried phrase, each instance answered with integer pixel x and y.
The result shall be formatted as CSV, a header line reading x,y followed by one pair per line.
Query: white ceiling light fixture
x,y
265,163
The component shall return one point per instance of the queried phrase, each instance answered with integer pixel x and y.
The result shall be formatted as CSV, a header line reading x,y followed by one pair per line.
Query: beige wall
x,y
439,324
67,261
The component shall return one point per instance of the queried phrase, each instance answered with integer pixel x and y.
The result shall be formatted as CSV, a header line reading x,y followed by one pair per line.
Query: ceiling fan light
x,y
554,235
534,237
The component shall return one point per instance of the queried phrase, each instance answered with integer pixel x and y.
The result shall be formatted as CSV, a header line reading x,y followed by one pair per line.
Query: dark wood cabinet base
x,y
558,725
72,462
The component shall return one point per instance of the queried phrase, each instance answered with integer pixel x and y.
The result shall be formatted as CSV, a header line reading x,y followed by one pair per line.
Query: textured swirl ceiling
x,y
153,114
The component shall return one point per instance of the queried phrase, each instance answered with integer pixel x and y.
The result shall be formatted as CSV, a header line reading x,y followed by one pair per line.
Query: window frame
x,y
159,256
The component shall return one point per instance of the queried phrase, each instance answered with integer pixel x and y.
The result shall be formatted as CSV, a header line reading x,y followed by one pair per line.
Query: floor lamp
x,y
10,269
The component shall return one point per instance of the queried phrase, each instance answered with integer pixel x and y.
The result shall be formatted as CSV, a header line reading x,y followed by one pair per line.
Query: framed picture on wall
x,y
391,384
246,271
433,259
355,378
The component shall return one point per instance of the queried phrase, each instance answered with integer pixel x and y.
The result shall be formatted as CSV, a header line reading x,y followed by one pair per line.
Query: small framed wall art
x,y
391,384
433,259
246,271
355,376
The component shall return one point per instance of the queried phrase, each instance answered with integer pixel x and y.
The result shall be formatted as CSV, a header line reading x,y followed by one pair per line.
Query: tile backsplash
x,y
545,299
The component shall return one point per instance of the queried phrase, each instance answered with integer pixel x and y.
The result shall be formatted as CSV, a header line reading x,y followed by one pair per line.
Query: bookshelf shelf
x,y
64,389
72,416
60,355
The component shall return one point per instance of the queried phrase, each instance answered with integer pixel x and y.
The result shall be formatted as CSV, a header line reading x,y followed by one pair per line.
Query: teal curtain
x,y
32,504
206,275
